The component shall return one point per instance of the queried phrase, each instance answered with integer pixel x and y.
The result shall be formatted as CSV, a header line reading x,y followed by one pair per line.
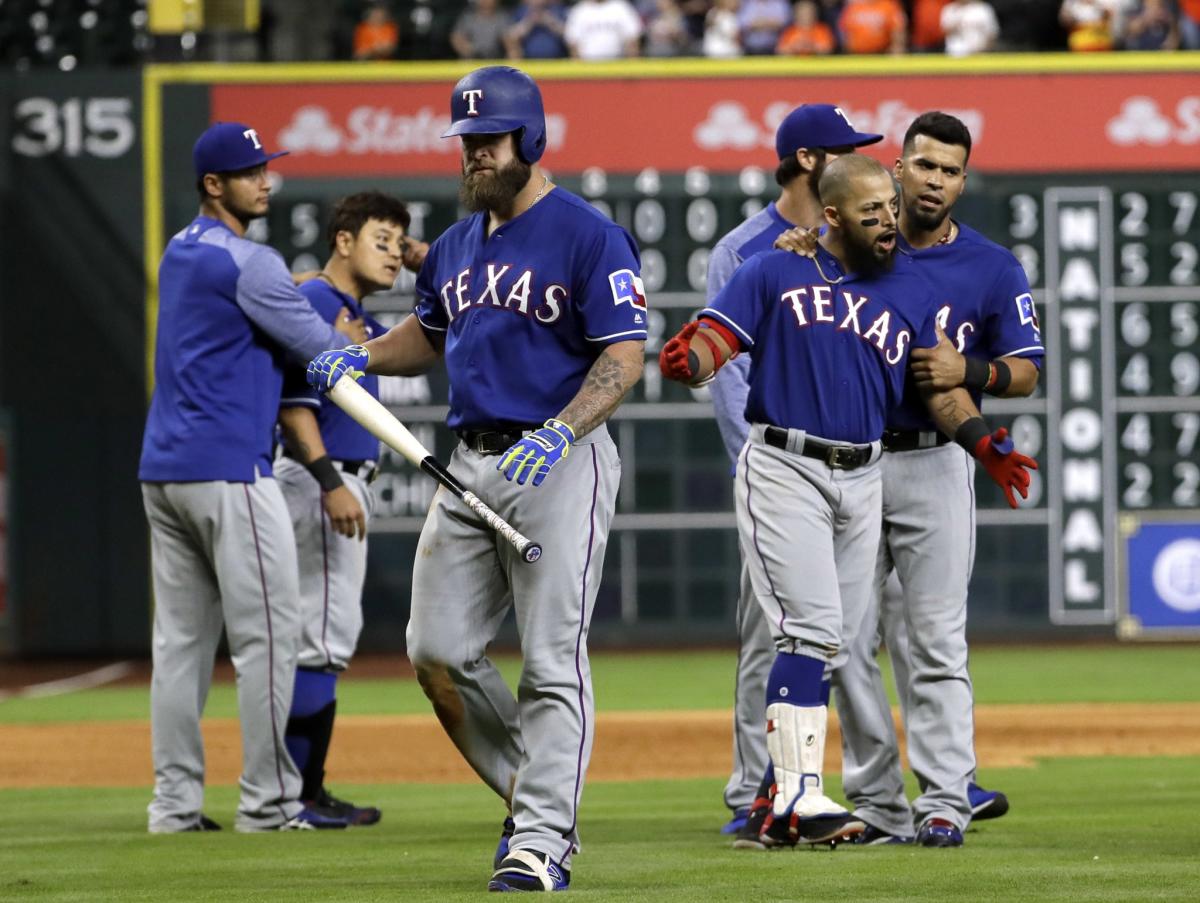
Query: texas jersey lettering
x,y
530,314
798,327
983,305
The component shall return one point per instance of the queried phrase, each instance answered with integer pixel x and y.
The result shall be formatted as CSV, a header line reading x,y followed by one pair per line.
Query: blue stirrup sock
x,y
310,726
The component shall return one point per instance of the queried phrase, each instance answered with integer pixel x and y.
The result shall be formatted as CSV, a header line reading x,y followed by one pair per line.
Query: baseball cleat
x,y
311,820
937,832
872,836
830,829
748,834
525,870
506,833
986,803
331,807
736,821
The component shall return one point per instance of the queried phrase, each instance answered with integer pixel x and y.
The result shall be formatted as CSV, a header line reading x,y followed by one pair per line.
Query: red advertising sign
x,y
1054,122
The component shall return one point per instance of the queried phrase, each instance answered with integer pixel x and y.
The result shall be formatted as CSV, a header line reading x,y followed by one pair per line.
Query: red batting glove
x,y
1007,467
673,359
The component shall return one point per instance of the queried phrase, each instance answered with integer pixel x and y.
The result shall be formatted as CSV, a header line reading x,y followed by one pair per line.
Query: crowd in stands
x,y
77,33
612,29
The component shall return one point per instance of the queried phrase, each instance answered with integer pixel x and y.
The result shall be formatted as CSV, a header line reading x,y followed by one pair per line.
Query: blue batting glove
x,y
537,453
329,366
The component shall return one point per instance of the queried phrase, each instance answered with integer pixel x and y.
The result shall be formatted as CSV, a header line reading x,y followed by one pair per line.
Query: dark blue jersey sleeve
x,y
1013,329
740,305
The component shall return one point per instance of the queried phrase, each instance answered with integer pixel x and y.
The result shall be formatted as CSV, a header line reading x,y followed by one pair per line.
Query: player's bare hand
x,y
798,240
1008,468
352,328
939,368
301,278
346,515
413,254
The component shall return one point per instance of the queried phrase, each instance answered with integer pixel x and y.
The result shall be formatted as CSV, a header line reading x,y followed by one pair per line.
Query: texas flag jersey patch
x,y
627,288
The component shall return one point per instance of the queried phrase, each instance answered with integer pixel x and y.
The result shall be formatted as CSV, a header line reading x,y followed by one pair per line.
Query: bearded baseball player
x,y
536,304
989,343
809,137
829,340
328,462
222,549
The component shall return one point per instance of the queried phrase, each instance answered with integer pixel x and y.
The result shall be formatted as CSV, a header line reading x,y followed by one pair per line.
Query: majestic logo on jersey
x,y
506,288
812,304
470,97
627,288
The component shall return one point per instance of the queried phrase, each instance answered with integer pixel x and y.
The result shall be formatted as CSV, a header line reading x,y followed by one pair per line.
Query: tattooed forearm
x,y
950,409
611,377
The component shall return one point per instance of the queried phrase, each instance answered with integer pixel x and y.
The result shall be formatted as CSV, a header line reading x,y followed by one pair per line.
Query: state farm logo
x,y
1140,121
381,130
729,125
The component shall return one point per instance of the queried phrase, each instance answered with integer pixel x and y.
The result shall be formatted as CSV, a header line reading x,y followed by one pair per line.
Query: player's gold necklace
x,y
951,234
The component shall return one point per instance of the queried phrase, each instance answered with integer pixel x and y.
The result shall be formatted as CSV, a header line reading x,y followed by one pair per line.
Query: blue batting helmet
x,y
498,99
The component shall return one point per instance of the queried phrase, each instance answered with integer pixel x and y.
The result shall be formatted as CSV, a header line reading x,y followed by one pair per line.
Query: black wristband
x,y
970,432
977,374
1001,379
325,473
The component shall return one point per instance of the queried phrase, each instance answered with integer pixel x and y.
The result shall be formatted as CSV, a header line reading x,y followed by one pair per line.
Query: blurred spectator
x,y
666,30
873,26
538,32
721,30
603,29
807,35
1189,24
1152,27
479,33
694,14
1090,24
376,36
761,22
927,34
970,27
1029,25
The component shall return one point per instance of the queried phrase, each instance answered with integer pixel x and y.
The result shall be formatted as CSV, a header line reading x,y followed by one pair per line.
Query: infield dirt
x,y
628,746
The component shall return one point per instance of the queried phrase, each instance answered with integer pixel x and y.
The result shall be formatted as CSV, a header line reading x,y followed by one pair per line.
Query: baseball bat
x,y
356,401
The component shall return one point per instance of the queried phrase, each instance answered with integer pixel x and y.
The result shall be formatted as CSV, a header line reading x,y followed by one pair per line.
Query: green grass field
x,y
1119,829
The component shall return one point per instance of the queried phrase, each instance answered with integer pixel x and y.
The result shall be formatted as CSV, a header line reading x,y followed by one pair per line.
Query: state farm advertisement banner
x,y
1021,123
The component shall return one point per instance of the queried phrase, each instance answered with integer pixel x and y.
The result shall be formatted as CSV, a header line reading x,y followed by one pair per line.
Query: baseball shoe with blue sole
x,y
506,833
874,837
736,821
526,870
986,803
937,832
329,805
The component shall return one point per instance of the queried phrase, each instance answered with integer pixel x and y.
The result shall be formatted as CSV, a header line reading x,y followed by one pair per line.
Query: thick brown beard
x,y
495,191
862,259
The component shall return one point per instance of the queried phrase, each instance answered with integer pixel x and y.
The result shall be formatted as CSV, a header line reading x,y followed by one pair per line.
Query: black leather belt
x,y
494,441
839,457
911,440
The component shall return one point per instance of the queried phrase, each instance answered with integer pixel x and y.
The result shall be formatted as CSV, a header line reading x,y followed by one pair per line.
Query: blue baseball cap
x,y
228,147
818,125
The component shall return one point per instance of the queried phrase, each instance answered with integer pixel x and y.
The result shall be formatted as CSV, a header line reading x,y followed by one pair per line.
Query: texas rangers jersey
x,y
826,358
729,389
344,439
227,310
526,311
983,304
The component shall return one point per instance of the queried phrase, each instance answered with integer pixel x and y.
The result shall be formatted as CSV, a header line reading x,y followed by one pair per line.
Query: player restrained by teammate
x,y
829,339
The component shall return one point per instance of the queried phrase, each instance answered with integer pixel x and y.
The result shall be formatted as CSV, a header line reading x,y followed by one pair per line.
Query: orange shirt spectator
x,y
927,34
873,26
807,35
376,36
